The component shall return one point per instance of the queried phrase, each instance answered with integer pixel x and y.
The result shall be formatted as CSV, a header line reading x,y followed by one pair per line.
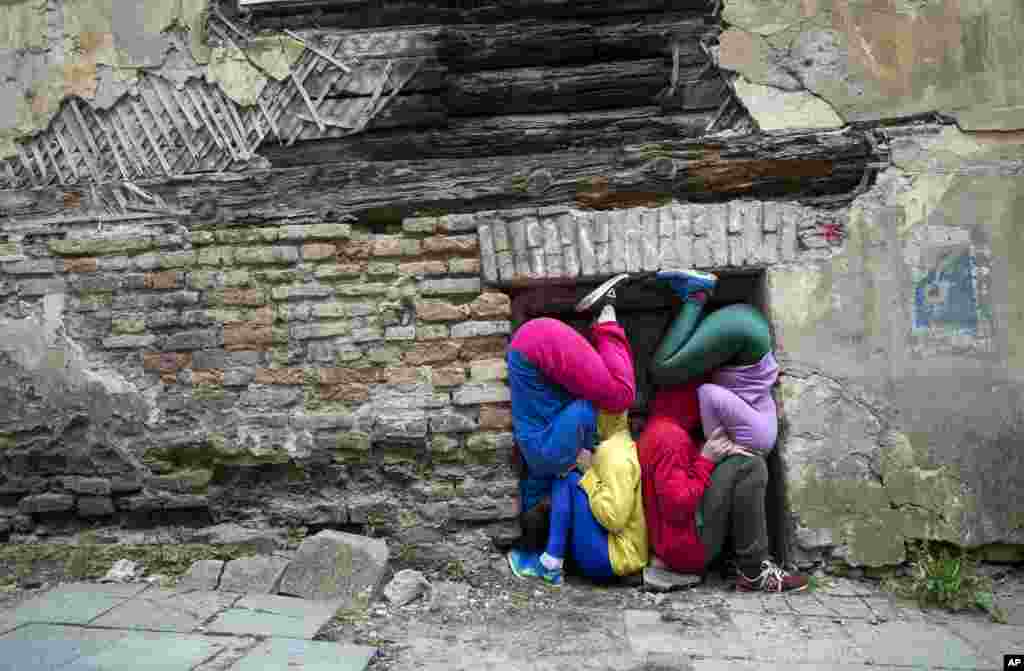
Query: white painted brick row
x,y
555,243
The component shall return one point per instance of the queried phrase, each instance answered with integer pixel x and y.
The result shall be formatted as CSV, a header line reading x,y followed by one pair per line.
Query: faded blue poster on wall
x,y
945,297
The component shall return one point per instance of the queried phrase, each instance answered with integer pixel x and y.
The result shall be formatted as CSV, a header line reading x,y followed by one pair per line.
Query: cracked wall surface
x,y
879,59
902,357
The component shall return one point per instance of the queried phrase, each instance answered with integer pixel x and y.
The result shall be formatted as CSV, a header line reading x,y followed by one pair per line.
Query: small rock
x,y
406,586
663,580
123,570
335,564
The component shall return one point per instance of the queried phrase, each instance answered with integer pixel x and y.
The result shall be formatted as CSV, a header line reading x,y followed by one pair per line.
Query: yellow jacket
x,y
613,486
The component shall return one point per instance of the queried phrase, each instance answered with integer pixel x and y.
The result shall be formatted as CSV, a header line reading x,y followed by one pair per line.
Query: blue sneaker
x,y
527,565
683,281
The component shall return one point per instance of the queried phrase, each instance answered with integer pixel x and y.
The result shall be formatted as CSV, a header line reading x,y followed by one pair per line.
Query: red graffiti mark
x,y
832,232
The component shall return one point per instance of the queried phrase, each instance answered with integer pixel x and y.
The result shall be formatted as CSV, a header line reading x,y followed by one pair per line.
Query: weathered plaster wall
x,y
94,49
902,392
877,59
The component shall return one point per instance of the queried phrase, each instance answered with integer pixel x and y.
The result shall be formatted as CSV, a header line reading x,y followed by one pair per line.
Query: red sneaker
x,y
771,579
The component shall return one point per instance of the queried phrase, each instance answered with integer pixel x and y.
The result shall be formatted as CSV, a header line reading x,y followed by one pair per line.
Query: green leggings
x,y
736,335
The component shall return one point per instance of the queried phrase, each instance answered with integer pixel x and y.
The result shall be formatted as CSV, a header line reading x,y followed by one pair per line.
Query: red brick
x,y
488,347
355,249
440,311
280,376
238,296
347,393
315,251
168,279
405,375
495,417
423,268
442,244
442,351
263,315
396,247
490,306
336,376
208,376
80,265
247,336
449,376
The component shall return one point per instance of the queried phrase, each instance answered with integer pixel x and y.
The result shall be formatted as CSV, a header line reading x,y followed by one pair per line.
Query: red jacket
x,y
674,476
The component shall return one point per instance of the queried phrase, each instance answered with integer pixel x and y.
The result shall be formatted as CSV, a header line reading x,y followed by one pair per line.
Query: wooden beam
x,y
497,136
574,89
280,14
464,48
791,166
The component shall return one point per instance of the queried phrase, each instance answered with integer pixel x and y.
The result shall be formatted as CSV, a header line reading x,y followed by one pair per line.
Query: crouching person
x,y
698,497
596,518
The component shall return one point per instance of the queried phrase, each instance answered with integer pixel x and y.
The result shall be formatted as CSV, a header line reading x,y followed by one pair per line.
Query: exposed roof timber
x,y
377,13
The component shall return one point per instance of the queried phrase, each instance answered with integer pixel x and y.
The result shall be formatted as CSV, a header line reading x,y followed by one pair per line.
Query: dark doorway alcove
x,y
645,308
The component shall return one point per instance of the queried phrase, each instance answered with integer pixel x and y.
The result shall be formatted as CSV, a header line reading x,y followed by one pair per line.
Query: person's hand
x,y
719,446
584,460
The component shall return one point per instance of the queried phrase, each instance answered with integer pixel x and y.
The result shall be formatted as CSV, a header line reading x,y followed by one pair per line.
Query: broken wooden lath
x,y
160,129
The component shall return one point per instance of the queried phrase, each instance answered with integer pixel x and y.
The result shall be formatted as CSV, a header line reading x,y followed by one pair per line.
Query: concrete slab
x,y
153,651
268,615
790,639
40,647
847,607
914,644
836,586
167,610
710,633
296,655
989,639
75,603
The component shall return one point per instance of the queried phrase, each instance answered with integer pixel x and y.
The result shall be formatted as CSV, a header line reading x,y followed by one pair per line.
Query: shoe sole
x,y
696,274
587,301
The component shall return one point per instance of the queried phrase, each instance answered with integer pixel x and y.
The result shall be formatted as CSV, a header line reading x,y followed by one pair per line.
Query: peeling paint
x,y
774,109
886,58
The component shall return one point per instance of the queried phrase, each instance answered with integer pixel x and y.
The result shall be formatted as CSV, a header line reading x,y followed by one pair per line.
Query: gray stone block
x,y
88,486
129,341
450,421
260,575
475,329
193,340
95,506
333,565
482,392
407,586
401,426
203,575
444,287
32,267
46,503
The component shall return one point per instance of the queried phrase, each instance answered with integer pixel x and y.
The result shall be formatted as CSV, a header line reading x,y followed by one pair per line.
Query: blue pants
x,y
574,525
550,426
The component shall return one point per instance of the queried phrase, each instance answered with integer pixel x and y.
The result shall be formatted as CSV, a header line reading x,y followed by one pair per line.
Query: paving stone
x,y
919,644
836,586
152,651
167,610
42,646
791,639
712,634
991,640
75,603
336,565
260,575
297,655
270,615
847,606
